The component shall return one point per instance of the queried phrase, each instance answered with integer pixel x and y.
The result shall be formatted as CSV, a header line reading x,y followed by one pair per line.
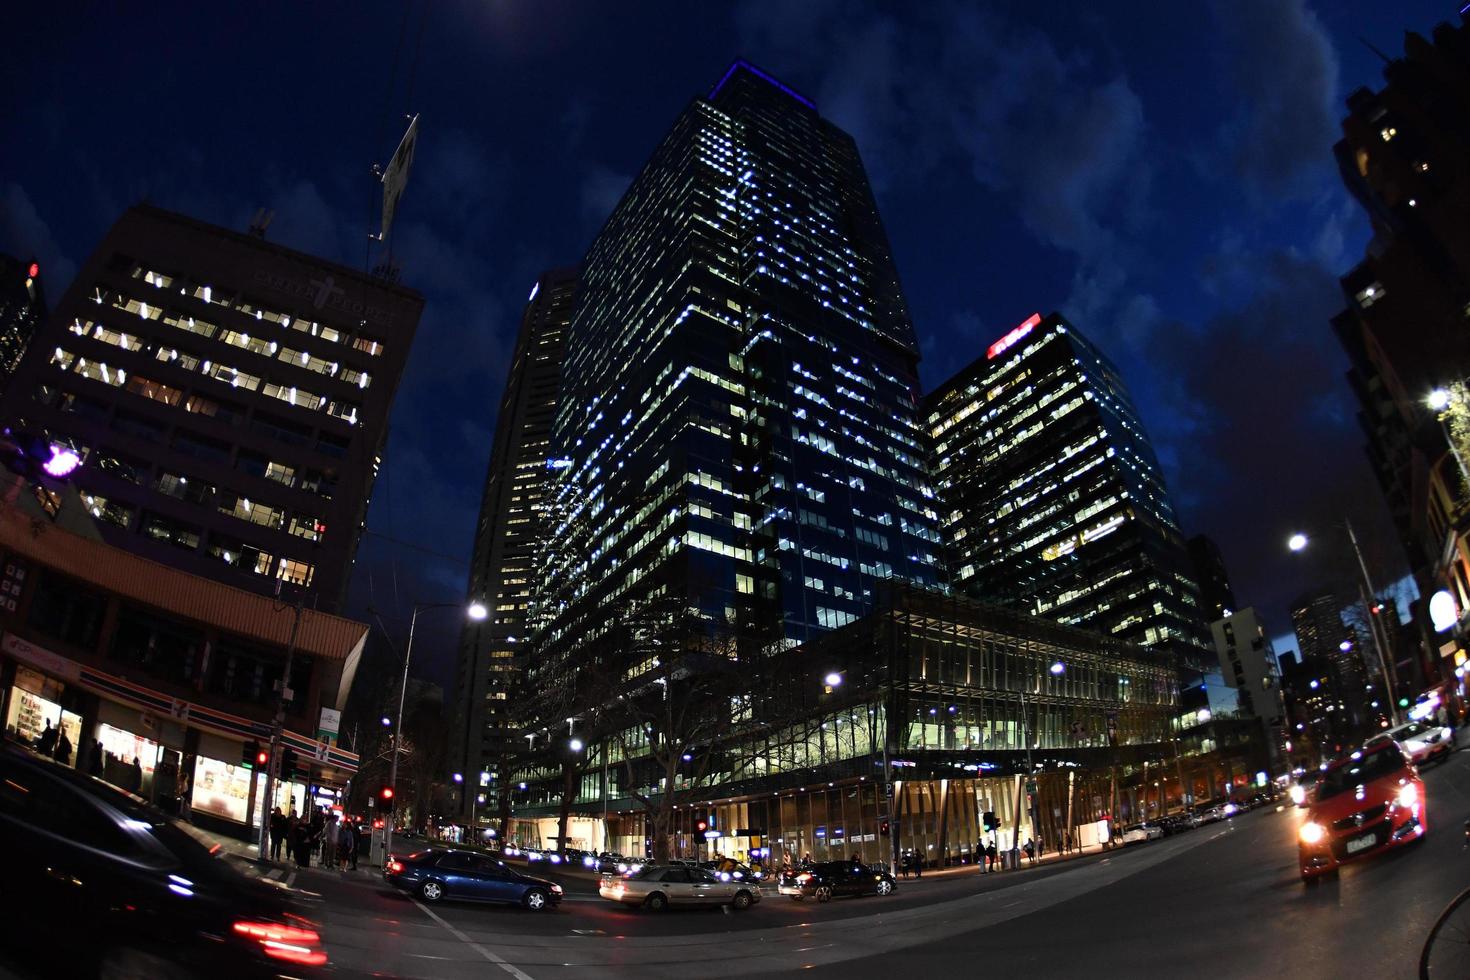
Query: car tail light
x,y
394,866
293,944
803,877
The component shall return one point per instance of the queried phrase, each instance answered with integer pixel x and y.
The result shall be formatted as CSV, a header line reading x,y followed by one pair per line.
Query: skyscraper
x,y
231,396
738,422
513,521
22,310
1052,499
1217,598
1323,637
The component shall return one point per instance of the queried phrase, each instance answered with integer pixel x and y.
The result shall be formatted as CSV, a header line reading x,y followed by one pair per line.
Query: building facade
x,y
738,417
158,679
1217,598
512,524
1405,157
22,310
1323,637
231,397
1248,662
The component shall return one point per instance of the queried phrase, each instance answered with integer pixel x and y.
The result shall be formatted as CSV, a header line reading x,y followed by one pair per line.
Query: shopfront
x,y
33,706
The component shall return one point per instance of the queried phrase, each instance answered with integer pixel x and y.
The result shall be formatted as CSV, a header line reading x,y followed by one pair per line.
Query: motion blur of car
x,y
1371,801
656,888
439,875
129,891
831,879
1424,741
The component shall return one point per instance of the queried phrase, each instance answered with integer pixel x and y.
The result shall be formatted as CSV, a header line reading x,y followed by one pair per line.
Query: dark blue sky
x,y
1160,173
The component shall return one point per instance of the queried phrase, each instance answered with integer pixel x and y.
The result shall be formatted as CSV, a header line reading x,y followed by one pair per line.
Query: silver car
x,y
656,888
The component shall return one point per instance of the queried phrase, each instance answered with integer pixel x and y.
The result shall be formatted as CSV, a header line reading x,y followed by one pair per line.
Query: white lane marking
x,y
508,968
291,879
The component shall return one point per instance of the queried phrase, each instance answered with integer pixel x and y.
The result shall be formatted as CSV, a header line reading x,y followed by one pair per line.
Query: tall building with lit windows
x,y
231,397
1053,500
22,309
512,524
738,427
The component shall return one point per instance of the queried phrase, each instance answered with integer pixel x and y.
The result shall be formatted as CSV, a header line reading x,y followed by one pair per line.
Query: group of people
x,y
54,742
334,841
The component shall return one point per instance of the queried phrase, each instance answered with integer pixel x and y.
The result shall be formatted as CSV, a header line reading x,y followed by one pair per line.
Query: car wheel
x,y
536,900
431,891
138,964
824,894
656,902
741,901
885,887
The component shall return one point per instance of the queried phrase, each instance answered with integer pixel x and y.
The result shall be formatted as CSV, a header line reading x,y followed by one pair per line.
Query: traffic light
x,y
288,762
385,797
883,829
702,826
1403,702
251,755
992,822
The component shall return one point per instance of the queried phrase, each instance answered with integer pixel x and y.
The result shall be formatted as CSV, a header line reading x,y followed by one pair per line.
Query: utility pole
x,y
277,724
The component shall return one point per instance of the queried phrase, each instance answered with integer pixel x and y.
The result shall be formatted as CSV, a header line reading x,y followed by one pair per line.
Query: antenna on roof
x,y
1369,45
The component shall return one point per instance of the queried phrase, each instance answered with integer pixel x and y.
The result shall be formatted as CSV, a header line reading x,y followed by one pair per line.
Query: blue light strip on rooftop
x,y
740,63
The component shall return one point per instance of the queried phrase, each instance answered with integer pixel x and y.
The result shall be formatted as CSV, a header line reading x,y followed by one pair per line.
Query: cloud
x,y
1281,64
23,234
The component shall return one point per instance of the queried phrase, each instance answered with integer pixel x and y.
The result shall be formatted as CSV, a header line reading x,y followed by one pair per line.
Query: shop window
x,y
161,647
63,609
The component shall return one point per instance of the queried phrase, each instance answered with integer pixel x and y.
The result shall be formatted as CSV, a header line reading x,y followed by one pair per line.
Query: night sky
x,y
1159,173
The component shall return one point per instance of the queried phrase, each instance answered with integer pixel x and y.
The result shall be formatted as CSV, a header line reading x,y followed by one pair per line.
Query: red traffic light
x,y
262,757
386,792
702,826
34,270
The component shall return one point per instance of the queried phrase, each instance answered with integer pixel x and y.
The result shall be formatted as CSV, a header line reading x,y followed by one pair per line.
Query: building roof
x,y
169,590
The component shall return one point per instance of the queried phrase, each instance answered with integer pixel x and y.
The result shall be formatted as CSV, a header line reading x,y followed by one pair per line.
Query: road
x,y
1221,901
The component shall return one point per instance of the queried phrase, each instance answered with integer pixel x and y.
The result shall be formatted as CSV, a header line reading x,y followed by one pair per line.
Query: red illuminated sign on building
x,y
1004,343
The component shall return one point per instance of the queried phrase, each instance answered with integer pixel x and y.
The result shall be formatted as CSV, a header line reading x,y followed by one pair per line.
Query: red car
x,y
1369,802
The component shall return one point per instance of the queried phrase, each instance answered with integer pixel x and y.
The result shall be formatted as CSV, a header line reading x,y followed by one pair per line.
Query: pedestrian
x,y
990,855
99,756
46,741
1067,837
346,845
905,863
918,864
329,842
135,777
277,832
63,749
806,860
1030,850
301,843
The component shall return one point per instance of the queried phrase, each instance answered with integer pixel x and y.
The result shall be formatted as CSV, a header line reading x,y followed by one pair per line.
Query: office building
x,y
22,310
1217,598
1052,499
1323,637
230,395
513,521
1405,157
738,420
1249,664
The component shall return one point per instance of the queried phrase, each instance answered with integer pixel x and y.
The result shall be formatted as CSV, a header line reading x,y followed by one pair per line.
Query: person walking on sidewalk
x,y
990,856
277,832
329,842
1030,850
346,845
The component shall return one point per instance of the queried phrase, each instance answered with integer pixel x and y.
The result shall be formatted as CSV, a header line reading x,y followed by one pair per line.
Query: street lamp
x,y
1298,542
575,745
475,611
1439,401
834,679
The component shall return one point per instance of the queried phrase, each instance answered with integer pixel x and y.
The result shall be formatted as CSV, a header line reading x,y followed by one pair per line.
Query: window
x,y
280,429
137,425
226,412
111,511
239,554
119,466
294,571
160,646
64,609
202,447
368,346
331,445
154,390
245,509
161,528
321,483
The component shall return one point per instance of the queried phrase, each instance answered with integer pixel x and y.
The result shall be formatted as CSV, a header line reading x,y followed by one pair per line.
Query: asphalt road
x,y
1221,901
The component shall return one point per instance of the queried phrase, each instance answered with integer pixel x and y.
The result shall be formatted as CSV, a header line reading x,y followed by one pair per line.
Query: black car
x,y
436,875
830,879
112,886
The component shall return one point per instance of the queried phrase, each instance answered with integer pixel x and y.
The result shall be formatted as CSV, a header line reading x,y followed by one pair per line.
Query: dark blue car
x,y
436,875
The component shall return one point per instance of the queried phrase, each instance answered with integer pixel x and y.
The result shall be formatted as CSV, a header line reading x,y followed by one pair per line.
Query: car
x,y
437,875
1370,802
656,887
1424,741
156,899
1135,834
829,879
728,869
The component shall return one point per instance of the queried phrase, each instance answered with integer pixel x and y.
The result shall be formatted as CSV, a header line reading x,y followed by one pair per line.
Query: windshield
x,y
1411,730
1374,765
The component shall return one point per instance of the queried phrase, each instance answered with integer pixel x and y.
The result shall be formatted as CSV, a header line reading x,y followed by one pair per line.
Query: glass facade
x,y
512,522
738,424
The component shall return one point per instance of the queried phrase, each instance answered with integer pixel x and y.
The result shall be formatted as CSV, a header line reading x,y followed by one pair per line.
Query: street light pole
x,y
1373,626
277,724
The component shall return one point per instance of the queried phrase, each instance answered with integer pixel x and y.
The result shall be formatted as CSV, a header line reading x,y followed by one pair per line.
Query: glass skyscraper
x,y
738,427
512,523
1053,500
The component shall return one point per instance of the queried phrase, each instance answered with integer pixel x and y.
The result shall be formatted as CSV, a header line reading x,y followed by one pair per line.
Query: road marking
x,y
498,961
291,879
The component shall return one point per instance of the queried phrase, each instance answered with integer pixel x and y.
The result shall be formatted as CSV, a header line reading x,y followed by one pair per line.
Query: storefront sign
x,y
53,664
329,725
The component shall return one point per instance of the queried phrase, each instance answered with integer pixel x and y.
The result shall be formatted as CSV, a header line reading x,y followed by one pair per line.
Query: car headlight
x,y
1297,794
556,888
1230,808
1408,795
588,862
1312,832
